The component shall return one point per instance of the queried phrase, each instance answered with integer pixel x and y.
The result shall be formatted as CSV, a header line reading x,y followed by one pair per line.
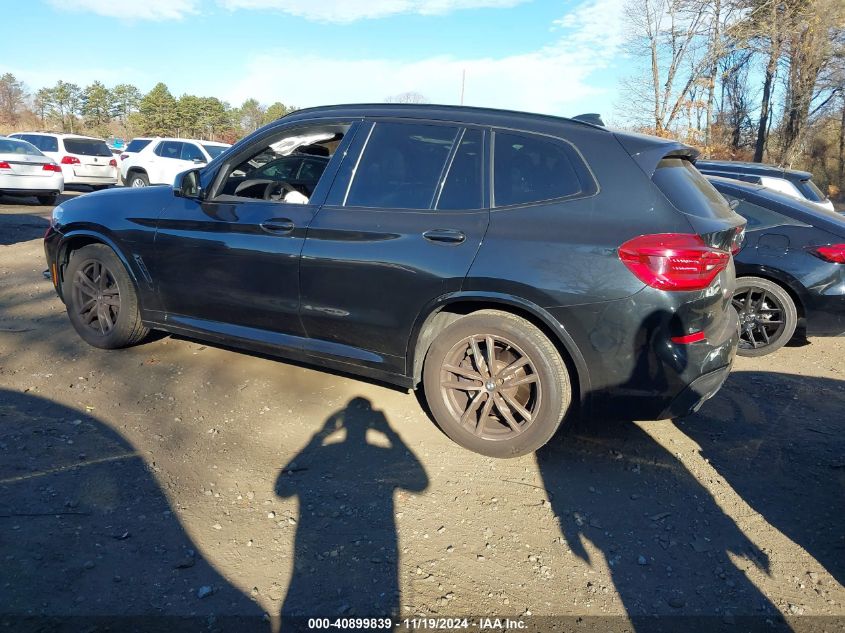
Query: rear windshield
x,y
215,150
137,144
810,191
11,146
87,147
688,190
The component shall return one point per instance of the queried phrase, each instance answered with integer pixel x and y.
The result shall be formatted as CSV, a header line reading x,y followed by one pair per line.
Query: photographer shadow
x,y
346,547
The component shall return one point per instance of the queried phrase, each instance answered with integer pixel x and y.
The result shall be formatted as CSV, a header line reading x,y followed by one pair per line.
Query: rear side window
x,y
462,188
401,166
811,192
44,143
137,144
87,147
214,150
169,149
688,190
529,168
758,217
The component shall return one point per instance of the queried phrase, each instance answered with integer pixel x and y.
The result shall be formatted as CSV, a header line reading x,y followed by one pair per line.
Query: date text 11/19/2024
x,y
418,624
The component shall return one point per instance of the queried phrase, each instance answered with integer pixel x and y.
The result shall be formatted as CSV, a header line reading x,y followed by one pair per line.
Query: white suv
x,y
84,160
164,158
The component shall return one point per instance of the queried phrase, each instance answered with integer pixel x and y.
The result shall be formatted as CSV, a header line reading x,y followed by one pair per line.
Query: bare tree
x,y
12,98
406,97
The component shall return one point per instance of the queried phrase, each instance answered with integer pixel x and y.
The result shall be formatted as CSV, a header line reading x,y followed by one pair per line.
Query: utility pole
x,y
463,84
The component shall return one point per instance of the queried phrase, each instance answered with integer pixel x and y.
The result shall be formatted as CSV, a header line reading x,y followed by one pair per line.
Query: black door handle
x,y
446,236
278,226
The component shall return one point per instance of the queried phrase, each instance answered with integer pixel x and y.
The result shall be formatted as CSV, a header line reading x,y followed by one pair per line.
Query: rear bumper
x,y
29,192
825,315
699,391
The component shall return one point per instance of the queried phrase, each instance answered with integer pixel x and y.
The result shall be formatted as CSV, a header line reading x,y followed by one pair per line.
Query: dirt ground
x,y
181,478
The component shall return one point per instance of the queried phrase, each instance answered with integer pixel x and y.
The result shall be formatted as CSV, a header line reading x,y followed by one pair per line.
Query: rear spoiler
x,y
648,151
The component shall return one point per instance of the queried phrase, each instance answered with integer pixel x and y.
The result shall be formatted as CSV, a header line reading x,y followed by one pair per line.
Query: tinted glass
x,y
215,150
811,192
44,143
529,168
282,169
191,151
137,144
87,147
758,217
688,190
169,149
462,189
311,170
401,166
12,146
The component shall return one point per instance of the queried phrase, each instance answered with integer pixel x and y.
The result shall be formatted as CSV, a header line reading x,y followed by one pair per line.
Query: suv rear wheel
x,y
767,316
496,384
138,179
101,300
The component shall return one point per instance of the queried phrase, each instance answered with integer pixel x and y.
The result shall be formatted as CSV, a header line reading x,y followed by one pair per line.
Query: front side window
x,y
192,152
401,166
271,168
528,168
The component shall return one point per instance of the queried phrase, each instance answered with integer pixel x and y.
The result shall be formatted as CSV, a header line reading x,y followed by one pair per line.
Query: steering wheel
x,y
277,190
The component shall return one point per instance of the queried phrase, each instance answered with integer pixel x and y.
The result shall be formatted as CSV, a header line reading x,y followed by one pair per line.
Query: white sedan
x,y
25,171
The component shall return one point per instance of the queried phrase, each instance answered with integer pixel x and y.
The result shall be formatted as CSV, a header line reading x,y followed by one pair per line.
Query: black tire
x,y
514,339
99,187
767,316
47,200
137,179
103,307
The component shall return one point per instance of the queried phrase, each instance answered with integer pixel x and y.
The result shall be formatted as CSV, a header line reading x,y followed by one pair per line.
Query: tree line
x,y
760,80
124,111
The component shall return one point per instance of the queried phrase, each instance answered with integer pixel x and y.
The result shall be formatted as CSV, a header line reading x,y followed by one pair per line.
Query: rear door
x,y
163,169
401,226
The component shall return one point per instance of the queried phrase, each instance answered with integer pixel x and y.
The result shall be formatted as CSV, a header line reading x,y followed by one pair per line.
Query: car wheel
x,y
101,300
138,179
496,384
767,316
47,200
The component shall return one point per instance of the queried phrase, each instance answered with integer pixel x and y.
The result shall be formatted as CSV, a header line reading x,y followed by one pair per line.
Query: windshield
x,y
215,150
10,146
87,147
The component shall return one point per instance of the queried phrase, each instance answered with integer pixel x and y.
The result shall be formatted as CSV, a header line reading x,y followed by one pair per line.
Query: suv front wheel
x,y
496,384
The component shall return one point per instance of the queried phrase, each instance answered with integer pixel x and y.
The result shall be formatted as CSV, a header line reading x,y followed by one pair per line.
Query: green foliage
x,y
158,111
276,111
12,97
96,106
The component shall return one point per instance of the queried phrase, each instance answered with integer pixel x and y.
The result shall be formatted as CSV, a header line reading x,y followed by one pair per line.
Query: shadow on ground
x,y
86,534
346,556
779,441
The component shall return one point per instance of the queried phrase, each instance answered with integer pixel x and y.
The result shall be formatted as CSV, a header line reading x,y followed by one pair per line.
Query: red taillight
x,y
70,160
673,261
4,165
834,253
51,167
112,163
689,338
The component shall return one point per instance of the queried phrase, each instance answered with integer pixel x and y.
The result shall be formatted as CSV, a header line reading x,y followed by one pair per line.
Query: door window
x,y
170,149
401,165
270,169
462,188
192,152
530,168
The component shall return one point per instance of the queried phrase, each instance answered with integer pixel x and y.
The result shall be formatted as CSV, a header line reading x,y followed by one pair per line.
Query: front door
x,y
400,228
230,263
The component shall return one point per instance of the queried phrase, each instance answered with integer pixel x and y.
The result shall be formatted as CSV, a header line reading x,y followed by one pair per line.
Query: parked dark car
x,y
790,270
517,267
790,182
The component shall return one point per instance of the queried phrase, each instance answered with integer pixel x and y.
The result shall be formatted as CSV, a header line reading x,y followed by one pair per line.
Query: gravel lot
x,y
180,478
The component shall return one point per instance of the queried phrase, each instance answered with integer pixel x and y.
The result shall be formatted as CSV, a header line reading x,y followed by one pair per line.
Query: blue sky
x,y
561,57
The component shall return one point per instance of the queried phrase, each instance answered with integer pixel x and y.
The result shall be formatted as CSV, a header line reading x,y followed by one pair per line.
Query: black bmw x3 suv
x,y
517,267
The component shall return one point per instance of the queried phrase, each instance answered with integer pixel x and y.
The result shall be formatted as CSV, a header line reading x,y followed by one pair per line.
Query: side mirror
x,y
187,184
